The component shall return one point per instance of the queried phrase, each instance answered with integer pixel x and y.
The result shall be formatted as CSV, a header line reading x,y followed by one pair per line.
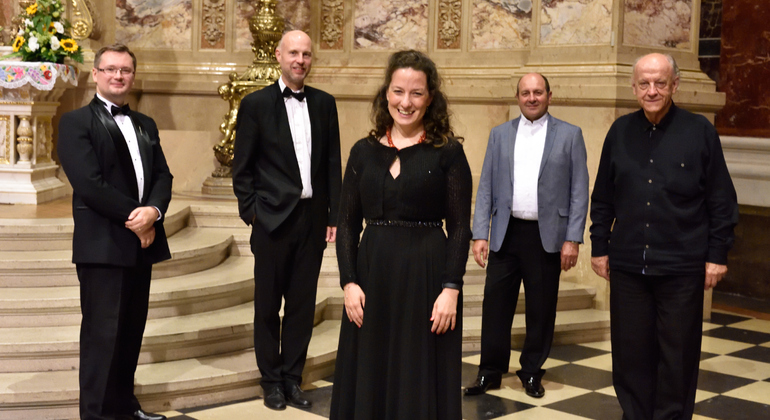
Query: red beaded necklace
x,y
390,140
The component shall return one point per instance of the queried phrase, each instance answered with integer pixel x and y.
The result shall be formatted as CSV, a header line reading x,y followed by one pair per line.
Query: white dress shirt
x,y
127,128
527,155
299,123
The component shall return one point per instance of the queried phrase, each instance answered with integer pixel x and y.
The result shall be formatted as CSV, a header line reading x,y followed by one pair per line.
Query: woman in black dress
x,y
401,336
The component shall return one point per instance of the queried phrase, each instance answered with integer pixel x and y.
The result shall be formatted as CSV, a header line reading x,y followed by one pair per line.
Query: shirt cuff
x,y
160,215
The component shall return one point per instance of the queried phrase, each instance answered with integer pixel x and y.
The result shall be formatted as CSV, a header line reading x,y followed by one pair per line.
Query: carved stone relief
x,y
213,20
332,21
449,23
44,139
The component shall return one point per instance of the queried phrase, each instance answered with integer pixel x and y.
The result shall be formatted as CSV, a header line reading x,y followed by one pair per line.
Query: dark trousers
x,y
286,265
521,257
114,302
656,325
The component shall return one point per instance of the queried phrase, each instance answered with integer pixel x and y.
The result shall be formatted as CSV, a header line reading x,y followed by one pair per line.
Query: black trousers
x,y
521,257
656,326
114,302
287,262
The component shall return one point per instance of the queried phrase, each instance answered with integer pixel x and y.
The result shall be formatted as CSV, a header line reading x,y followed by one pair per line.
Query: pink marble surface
x,y
391,24
154,24
658,23
501,24
575,22
296,14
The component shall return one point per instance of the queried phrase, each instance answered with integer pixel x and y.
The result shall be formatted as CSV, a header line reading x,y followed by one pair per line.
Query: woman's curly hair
x,y
436,119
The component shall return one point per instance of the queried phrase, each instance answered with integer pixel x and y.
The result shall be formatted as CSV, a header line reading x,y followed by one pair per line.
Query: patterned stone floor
x,y
734,383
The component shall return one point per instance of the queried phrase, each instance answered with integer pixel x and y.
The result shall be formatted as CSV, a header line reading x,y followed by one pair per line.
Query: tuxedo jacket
x,y
266,176
96,160
562,186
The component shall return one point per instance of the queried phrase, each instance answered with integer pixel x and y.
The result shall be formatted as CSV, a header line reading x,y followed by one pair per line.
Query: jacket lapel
x,y
145,152
512,148
550,136
124,157
285,141
314,111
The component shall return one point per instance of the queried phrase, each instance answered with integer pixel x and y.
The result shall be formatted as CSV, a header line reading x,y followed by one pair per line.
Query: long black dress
x,y
393,367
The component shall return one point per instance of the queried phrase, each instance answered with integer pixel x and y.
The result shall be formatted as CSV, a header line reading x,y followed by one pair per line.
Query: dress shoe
x,y
296,397
143,415
533,387
482,384
274,399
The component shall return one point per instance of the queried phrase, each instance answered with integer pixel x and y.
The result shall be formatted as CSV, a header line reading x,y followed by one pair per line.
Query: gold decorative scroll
x,y
82,19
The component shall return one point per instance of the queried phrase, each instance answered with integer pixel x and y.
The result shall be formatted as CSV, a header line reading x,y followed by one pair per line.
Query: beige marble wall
x,y
391,24
575,22
658,23
501,24
154,24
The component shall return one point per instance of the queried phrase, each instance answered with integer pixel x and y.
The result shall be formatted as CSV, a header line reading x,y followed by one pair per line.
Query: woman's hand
x,y
355,300
444,311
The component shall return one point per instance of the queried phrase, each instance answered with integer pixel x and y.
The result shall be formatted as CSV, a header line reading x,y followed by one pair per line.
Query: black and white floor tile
x,y
734,383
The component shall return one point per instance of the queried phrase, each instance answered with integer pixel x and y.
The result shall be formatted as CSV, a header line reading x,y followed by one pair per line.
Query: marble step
x,y
192,250
165,339
161,386
228,284
56,233
578,326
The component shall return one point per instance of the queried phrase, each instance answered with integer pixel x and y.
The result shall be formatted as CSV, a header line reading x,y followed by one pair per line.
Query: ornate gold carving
x,y
449,23
332,21
5,139
82,19
214,19
44,139
266,29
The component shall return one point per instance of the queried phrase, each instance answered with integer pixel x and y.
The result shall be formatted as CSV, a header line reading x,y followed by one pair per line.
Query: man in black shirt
x,y
663,211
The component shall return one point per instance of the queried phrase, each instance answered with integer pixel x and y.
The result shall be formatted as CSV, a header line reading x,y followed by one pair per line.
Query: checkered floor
x,y
734,383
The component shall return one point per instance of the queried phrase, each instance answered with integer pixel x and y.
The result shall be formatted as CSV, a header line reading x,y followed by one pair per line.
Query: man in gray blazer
x,y
530,213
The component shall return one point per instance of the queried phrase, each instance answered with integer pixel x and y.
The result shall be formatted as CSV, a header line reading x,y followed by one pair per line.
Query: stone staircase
x,y
198,343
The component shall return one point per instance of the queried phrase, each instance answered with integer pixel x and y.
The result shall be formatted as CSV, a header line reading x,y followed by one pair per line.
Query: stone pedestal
x,y
28,101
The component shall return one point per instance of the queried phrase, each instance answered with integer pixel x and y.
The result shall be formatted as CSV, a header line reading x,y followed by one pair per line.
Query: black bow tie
x,y
125,110
297,95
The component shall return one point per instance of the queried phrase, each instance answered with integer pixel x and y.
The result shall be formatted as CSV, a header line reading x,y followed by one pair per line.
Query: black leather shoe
x,y
482,384
143,415
534,388
274,399
296,397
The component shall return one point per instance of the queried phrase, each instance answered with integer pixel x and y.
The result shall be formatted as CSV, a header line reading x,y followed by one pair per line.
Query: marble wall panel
x,y
296,15
575,22
154,24
710,18
744,70
658,23
391,24
501,24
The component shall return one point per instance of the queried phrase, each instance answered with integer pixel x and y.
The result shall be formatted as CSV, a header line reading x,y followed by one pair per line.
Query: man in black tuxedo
x,y
287,177
121,190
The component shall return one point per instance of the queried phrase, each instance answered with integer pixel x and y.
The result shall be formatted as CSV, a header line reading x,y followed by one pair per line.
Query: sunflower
x,y
17,43
51,29
69,45
31,10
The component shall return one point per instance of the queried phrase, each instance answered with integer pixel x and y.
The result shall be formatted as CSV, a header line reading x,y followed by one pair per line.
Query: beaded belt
x,y
404,223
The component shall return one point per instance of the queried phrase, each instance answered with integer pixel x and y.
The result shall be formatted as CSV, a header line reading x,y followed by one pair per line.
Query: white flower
x,y
59,27
54,43
27,22
33,45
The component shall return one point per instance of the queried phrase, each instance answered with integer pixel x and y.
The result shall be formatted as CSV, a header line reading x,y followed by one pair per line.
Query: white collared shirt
x,y
527,155
127,128
299,123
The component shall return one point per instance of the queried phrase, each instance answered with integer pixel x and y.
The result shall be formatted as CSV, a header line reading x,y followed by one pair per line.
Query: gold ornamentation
x,y
332,20
82,19
5,139
214,19
44,139
449,23
266,29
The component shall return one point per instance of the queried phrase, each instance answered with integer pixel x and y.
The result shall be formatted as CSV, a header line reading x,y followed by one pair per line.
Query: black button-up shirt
x,y
663,202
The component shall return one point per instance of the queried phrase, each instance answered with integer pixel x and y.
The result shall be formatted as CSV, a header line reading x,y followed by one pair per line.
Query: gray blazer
x,y
562,188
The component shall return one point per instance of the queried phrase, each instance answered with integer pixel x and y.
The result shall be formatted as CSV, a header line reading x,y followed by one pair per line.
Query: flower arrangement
x,y
44,34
